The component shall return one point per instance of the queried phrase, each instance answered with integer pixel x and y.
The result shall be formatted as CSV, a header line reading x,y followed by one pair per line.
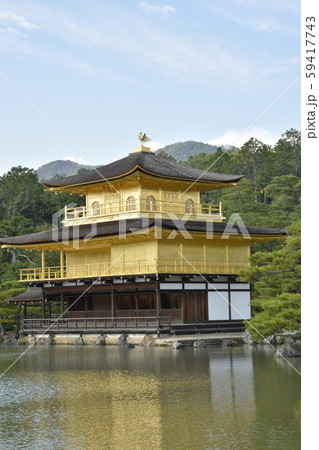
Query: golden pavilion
x,y
143,254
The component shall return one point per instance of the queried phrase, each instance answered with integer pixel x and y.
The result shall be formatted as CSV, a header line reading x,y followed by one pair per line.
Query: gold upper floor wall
x,y
140,196
142,254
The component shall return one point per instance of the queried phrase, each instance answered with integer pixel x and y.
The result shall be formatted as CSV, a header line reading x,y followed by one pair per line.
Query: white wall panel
x,y
217,286
171,286
218,306
240,305
197,286
238,286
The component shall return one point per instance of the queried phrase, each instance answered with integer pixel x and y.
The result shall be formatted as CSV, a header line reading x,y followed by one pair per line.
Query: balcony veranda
x,y
142,208
128,268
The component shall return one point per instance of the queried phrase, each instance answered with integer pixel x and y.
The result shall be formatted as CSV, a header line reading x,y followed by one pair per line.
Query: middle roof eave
x,y
130,226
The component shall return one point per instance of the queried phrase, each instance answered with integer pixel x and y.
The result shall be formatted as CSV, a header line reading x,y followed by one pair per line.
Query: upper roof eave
x,y
144,162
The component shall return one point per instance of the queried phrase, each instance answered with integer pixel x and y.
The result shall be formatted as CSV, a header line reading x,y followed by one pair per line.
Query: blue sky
x,y
102,71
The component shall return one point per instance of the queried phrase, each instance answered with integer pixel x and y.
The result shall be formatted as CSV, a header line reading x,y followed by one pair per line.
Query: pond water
x,y
148,398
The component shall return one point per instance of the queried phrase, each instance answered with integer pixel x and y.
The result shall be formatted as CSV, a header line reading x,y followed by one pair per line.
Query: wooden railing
x,y
131,268
116,210
96,323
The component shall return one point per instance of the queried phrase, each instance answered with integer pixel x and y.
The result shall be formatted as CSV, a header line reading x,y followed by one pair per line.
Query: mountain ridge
x,y
60,167
181,151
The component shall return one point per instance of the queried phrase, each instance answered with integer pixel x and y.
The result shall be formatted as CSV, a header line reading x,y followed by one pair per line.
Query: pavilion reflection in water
x,y
193,402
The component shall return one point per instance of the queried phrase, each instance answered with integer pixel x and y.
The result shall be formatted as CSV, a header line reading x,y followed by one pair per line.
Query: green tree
x,y
220,161
255,160
276,277
83,170
288,154
20,194
165,155
285,193
240,198
9,314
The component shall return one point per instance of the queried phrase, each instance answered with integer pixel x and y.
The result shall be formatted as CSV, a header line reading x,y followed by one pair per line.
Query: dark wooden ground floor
x,y
141,305
142,325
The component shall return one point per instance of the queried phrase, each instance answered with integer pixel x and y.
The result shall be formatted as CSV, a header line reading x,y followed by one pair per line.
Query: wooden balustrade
x,y
96,323
117,209
130,268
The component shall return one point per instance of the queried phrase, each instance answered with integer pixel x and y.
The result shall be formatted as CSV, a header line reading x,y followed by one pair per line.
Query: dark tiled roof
x,y
220,228
80,232
31,294
129,226
150,163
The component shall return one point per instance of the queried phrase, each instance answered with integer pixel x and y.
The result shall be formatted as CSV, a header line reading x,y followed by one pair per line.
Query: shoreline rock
x,y
49,340
176,345
79,341
289,350
199,344
148,341
10,341
100,341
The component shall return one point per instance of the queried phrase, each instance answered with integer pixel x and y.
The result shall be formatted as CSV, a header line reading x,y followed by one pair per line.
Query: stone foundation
x,y
88,339
146,340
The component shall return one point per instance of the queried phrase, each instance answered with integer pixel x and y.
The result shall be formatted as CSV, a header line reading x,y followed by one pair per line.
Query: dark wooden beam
x,y
62,303
43,307
112,303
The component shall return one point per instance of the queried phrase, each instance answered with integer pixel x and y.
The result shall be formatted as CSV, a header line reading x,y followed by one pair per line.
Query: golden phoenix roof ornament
x,y
143,138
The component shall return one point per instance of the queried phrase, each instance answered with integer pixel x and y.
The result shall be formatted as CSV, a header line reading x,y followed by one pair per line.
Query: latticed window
x,y
189,206
96,208
131,203
150,203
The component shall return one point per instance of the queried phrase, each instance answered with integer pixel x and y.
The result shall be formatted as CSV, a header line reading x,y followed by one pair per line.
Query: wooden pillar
x,y
43,263
158,302
85,306
136,303
62,303
112,303
24,310
18,318
158,309
184,306
43,307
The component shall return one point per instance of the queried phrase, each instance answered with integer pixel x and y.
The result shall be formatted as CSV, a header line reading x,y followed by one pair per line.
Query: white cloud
x,y
154,145
150,9
277,70
176,56
171,54
294,60
76,160
10,18
284,5
237,138
78,65
258,18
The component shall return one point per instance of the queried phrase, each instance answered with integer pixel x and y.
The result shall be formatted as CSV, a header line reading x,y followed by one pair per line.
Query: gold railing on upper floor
x,y
116,210
131,268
